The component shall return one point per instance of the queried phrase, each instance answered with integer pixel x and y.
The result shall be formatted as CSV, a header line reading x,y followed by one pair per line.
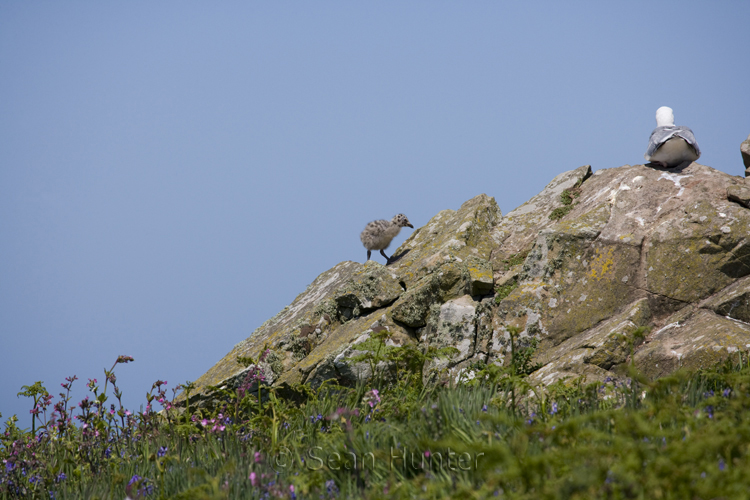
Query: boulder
x,y
699,341
629,265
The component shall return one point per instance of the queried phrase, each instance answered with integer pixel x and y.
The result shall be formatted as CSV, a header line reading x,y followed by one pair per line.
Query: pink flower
x,y
372,398
258,457
253,479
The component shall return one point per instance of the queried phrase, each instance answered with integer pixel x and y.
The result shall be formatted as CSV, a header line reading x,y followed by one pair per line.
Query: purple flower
x,y
331,488
553,409
162,451
372,398
484,408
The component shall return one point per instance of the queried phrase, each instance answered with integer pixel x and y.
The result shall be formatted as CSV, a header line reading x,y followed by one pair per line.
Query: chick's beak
x,y
410,226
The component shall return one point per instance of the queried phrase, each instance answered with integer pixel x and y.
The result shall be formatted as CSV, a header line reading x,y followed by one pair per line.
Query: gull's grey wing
x,y
660,135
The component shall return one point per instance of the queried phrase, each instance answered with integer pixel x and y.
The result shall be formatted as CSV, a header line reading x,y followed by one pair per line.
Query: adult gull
x,y
669,145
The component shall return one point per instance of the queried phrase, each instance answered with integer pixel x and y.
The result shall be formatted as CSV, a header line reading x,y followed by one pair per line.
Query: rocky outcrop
x,y
627,265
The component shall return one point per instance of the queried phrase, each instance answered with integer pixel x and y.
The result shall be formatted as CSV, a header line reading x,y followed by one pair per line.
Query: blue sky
x,y
172,174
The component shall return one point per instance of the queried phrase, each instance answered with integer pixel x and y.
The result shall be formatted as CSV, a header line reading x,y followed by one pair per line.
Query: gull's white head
x,y
664,117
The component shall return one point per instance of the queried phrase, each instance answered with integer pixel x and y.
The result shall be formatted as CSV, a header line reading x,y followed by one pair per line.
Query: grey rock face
x,y
626,265
745,151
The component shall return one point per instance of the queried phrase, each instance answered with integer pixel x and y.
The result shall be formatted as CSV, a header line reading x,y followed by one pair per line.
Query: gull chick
x,y
378,234
669,146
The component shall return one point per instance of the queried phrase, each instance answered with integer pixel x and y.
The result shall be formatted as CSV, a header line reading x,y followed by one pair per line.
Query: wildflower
x,y
253,479
124,359
722,465
372,398
484,408
258,457
726,392
331,488
553,409
162,451
61,477
710,411
531,418
427,454
291,490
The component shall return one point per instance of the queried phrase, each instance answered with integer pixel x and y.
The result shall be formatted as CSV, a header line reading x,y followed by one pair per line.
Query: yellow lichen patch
x,y
603,264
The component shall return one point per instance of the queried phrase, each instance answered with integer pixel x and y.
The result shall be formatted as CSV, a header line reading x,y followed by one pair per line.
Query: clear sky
x,y
172,174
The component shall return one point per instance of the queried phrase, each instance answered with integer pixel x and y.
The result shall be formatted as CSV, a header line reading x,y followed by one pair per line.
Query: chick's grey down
x,y
378,234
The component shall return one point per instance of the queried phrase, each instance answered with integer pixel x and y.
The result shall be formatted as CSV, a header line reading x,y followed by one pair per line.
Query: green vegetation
x,y
497,435
514,260
567,198
503,291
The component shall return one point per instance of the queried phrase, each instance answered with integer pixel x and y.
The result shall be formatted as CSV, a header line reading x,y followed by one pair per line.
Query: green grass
x,y
686,436
567,198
